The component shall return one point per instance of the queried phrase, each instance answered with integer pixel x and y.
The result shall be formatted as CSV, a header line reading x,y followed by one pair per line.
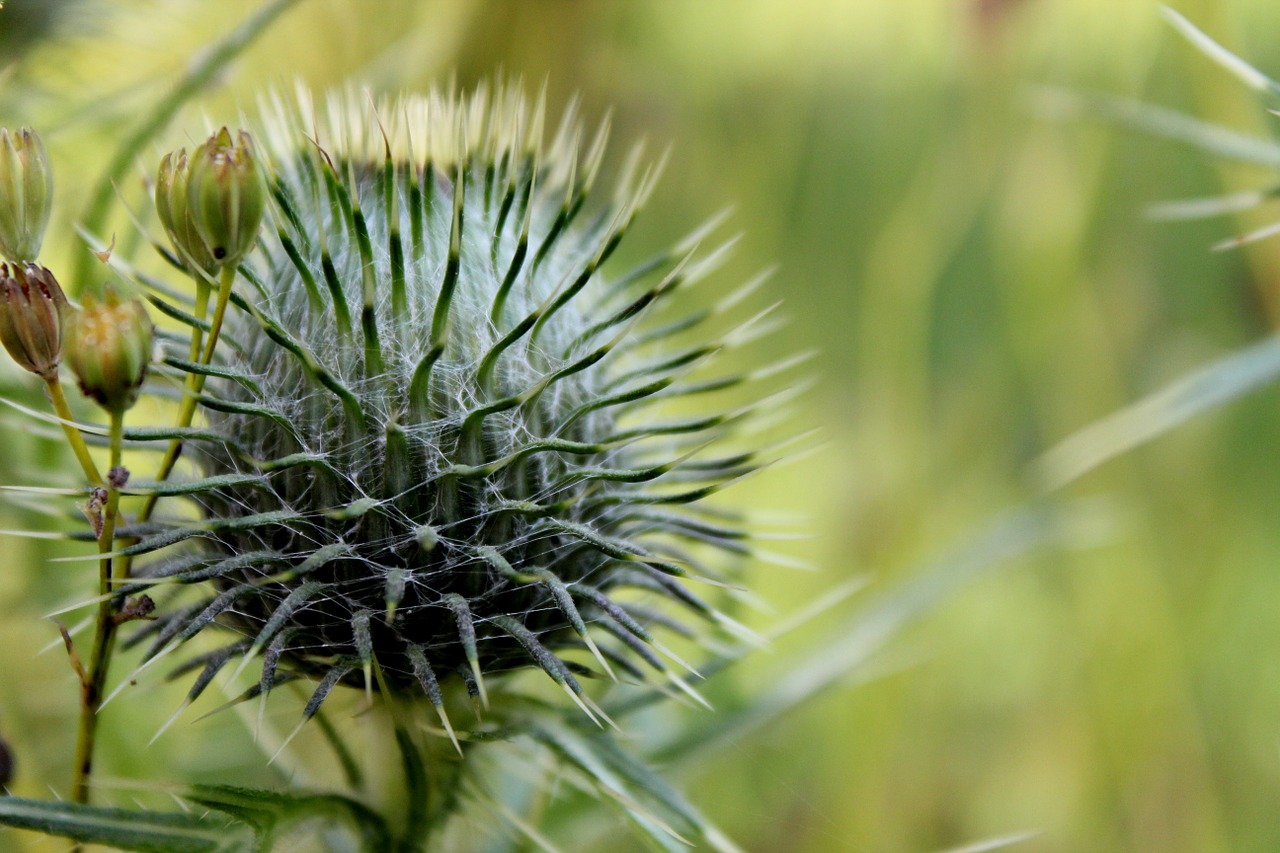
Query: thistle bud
x,y
109,348
26,192
175,215
226,196
31,310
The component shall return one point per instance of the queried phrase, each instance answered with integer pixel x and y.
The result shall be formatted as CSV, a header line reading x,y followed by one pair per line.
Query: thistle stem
x,y
74,438
219,311
195,381
201,308
104,633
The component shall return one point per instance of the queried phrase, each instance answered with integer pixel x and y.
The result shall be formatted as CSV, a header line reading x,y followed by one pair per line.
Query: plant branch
x,y
74,438
195,381
104,633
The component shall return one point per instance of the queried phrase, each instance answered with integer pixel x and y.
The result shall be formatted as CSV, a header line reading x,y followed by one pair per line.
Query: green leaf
x,y
275,813
841,656
147,832
1204,389
1222,141
585,753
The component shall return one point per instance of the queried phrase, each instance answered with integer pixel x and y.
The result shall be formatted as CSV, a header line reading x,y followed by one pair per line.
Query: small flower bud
x,y
26,193
175,216
31,310
226,196
109,349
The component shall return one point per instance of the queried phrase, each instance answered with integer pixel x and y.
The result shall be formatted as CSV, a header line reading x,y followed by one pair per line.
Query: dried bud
x,y
31,310
226,196
26,193
109,348
175,215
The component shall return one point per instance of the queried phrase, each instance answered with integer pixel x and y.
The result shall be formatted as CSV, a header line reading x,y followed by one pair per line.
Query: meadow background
x,y
977,282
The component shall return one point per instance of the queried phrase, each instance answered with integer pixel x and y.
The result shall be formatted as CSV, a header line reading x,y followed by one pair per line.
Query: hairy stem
x,y
74,438
104,633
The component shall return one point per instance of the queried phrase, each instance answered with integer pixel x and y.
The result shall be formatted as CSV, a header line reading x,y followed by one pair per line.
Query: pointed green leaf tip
x,y
31,310
109,349
226,196
26,193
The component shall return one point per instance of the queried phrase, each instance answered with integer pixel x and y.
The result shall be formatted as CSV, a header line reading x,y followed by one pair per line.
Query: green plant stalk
x,y
74,438
105,630
215,329
195,381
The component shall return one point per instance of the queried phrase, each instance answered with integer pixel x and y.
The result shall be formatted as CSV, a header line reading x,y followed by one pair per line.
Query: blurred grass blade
x,y
146,832
1064,105
1246,73
994,843
1207,388
1205,208
841,655
1245,239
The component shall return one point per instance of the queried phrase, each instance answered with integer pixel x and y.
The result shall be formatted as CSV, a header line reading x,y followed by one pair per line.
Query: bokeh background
x,y
978,282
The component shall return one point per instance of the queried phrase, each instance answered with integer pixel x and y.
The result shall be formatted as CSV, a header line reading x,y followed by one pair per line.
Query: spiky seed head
x,y
175,214
108,347
441,451
226,196
26,193
31,315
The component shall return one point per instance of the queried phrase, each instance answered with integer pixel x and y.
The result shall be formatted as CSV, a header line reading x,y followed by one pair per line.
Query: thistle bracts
x,y
175,215
434,443
109,343
26,193
225,196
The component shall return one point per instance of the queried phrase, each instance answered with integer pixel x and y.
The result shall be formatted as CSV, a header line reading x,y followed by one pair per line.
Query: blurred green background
x,y
978,284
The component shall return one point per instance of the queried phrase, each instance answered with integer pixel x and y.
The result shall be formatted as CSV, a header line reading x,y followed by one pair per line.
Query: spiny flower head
x,y
436,442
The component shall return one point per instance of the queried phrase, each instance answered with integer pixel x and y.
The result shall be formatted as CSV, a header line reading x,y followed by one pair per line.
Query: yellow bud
x,y
108,346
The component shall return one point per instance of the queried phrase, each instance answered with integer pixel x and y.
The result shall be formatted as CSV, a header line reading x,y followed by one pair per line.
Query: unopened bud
x,y
226,195
31,310
26,193
109,348
175,216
